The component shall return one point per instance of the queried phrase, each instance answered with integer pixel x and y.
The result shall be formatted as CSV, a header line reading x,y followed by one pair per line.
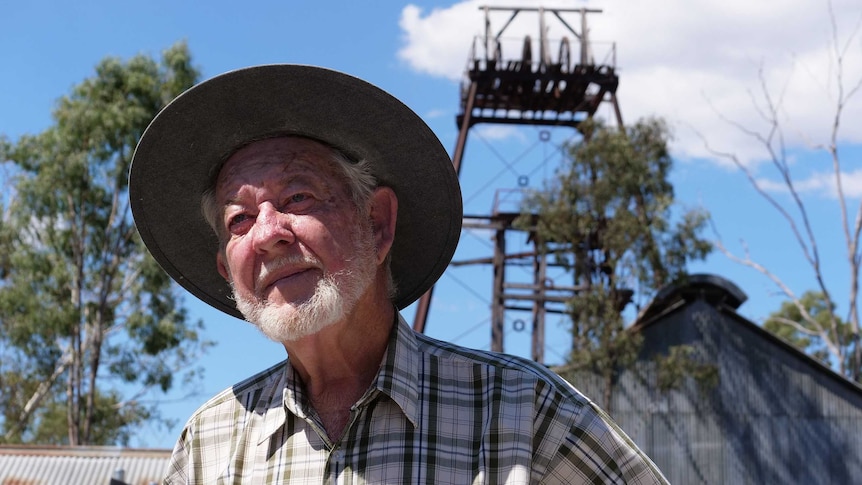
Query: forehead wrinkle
x,y
250,157
288,159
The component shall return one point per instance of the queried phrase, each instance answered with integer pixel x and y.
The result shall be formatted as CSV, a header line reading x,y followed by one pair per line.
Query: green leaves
x,y
608,213
81,302
608,217
812,331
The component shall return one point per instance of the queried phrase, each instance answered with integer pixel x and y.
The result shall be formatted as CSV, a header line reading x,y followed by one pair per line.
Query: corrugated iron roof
x,y
84,465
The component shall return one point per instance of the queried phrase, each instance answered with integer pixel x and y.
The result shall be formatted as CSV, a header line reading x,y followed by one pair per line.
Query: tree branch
x,y
41,391
834,349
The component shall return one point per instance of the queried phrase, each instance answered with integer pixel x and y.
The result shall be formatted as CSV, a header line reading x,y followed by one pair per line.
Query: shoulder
x,y
215,428
569,431
246,393
496,365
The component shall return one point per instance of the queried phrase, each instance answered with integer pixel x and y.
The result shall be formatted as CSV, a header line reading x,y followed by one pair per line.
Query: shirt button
x,y
338,455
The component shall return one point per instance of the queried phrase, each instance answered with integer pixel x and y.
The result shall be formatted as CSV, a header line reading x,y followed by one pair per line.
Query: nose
x,y
272,229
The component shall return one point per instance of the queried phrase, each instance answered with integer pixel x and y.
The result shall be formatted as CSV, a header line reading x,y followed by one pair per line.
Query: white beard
x,y
335,296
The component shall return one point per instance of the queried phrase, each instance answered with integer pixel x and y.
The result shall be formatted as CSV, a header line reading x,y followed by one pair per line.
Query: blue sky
x,y
692,62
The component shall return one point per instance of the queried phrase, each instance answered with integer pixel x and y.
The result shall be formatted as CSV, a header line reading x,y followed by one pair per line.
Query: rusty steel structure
x,y
545,90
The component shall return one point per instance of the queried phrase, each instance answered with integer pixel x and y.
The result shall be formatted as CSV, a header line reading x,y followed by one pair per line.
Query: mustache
x,y
269,267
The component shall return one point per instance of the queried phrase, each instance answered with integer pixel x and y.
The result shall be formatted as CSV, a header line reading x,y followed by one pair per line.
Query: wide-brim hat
x,y
187,141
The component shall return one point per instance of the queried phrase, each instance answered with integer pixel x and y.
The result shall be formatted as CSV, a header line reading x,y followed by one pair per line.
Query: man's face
x,y
298,255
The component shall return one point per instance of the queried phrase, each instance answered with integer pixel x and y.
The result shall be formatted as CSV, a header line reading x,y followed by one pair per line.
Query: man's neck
x,y
338,364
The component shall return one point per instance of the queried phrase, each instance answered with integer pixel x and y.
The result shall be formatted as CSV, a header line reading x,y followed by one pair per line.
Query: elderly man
x,y
315,206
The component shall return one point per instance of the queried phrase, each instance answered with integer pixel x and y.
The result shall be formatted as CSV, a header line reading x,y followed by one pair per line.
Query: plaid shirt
x,y
437,413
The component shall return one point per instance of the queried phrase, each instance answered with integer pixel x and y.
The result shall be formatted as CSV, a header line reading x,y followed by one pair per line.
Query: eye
x,y
238,218
236,222
299,202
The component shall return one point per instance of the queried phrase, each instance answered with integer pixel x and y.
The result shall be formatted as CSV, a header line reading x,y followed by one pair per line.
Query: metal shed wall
x,y
38,465
776,416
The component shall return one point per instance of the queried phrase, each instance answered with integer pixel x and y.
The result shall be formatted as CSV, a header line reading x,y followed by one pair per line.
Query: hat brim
x,y
185,143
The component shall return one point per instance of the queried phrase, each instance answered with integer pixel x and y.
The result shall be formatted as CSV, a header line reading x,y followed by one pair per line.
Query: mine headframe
x,y
527,89
536,89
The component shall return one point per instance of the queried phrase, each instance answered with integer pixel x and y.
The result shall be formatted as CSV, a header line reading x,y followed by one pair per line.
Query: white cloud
x,y
501,132
437,113
437,42
821,183
693,62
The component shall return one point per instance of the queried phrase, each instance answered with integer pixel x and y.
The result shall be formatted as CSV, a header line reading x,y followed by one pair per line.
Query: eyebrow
x,y
302,179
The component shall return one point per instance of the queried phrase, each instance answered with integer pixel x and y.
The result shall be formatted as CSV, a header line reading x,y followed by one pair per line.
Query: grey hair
x,y
361,183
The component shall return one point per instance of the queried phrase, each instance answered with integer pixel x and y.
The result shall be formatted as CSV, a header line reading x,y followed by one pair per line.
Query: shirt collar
x,y
270,406
398,378
399,373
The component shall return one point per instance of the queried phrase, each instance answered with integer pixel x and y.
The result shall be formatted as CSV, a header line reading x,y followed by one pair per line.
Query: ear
x,y
222,267
384,213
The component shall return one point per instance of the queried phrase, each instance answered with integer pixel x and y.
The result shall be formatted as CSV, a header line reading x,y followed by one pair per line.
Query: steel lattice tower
x,y
525,90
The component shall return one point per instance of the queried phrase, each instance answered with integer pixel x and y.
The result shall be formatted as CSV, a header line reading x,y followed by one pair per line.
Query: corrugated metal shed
x,y
91,465
776,415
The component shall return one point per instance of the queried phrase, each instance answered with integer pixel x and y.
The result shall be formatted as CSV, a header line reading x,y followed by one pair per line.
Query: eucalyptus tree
x,y
608,216
90,323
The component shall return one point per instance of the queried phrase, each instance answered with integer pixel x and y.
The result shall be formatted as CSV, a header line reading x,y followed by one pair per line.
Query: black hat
x,y
188,140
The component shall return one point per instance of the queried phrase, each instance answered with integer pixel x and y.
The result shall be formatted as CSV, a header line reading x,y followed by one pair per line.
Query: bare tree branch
x,y
41,391
834,349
